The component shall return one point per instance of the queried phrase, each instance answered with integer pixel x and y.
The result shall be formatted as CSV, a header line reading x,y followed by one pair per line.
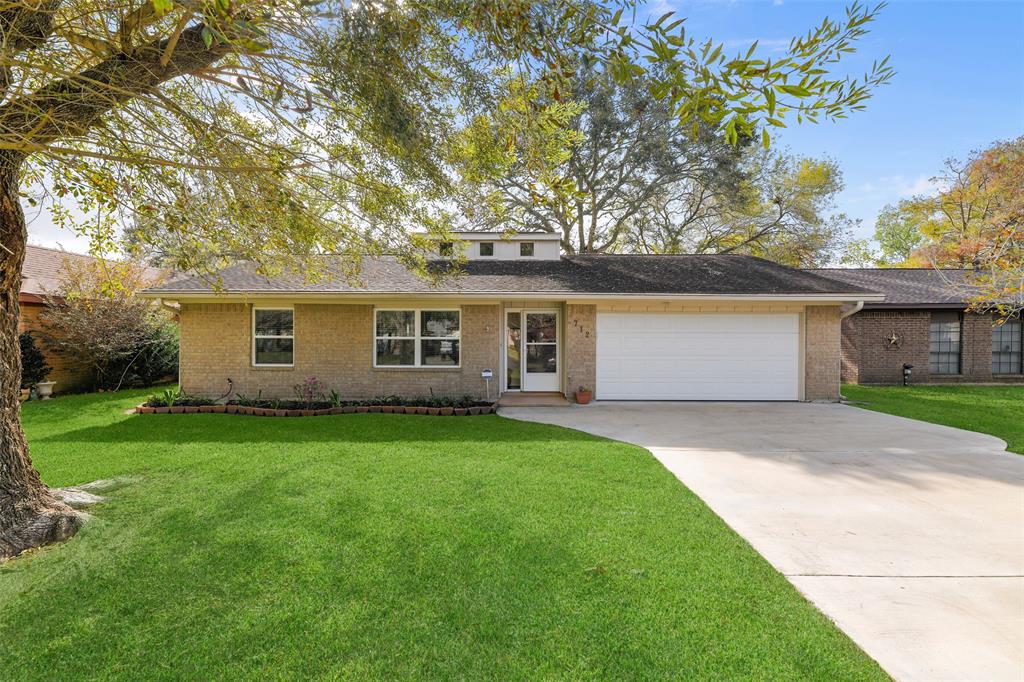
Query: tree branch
x,y
70,106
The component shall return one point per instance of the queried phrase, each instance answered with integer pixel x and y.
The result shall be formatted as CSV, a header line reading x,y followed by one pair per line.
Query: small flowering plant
x,y
310,391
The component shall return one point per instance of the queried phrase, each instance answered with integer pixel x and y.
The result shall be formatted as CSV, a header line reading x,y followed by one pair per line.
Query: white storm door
x,y
541,362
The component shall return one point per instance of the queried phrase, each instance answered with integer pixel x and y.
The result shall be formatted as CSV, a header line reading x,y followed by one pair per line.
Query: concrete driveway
x,y
910,536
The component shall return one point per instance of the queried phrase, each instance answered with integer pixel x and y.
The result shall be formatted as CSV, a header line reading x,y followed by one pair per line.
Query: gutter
x,y
570,296
857,307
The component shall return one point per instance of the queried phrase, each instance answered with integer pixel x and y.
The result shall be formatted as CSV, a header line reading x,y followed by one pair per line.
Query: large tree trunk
x,y
30,515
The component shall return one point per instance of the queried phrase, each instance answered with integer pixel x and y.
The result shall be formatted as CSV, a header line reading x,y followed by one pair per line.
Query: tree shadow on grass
x,y
355,428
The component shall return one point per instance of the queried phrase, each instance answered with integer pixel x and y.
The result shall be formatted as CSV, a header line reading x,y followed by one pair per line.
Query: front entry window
x,y
514,334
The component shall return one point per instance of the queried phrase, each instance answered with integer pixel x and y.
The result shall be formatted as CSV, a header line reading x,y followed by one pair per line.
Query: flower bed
x,y
293,408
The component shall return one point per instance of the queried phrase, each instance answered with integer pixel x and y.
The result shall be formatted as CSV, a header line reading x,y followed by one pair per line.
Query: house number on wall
x,y
585,332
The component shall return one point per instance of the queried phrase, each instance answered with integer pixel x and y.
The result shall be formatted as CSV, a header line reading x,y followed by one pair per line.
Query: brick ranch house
x,y
723,327
923,322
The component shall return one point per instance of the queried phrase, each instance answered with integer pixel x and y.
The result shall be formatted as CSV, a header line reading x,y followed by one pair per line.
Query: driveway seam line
x,y
893,575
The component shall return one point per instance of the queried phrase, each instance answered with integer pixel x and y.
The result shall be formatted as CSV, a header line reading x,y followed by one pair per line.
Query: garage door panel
x,y
697,356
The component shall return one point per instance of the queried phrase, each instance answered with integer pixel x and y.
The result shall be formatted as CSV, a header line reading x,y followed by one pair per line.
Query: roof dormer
x,y
503,246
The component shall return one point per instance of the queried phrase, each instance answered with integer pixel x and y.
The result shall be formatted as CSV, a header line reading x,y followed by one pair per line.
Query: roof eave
x,y
839,297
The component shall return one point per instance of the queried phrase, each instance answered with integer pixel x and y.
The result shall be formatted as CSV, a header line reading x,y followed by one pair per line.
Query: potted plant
x,y
584,395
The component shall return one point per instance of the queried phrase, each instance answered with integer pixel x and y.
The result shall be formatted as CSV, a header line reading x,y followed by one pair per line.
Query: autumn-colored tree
x,y
975,220
271,130
95,318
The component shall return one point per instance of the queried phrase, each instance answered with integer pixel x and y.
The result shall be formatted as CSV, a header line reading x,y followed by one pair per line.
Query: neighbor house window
x,y
526,248
273,336
486,248
416,338
944,343
1007,343
445,249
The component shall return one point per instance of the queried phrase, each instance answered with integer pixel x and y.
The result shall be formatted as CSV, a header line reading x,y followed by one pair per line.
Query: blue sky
x,y
959,86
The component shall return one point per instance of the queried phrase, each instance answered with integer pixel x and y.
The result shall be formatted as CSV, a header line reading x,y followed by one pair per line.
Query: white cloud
x,y
901,186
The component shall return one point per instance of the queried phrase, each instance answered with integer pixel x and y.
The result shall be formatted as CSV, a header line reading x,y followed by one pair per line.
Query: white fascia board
x,y
574,297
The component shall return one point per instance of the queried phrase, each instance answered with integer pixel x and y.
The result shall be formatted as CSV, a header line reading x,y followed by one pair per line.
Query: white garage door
x,y
698,356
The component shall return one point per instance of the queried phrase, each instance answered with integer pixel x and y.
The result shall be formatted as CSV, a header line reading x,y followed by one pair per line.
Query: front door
x,y
532,357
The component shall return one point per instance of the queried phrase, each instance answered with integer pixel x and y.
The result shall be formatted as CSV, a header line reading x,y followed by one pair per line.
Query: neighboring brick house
x,y
923,322
719,327
41,276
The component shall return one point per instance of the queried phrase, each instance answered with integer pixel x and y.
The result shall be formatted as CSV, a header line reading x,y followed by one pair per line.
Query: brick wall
x,y
869,359
70,375
821,353
580,347
333,343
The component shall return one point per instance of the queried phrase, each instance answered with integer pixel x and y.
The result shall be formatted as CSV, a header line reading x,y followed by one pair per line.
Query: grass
x,y
390,547
995,410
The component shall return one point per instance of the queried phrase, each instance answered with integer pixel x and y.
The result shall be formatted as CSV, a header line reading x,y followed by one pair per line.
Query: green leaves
x,y
162,7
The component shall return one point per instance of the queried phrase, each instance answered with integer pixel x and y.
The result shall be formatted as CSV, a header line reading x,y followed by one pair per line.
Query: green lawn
x,y
390,547
996,410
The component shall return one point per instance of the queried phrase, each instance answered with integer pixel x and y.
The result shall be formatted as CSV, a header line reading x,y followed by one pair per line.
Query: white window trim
x,y
418,338
533,247
255,336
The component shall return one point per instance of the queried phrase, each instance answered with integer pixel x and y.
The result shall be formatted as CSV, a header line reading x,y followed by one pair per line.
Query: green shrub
x,y
33,364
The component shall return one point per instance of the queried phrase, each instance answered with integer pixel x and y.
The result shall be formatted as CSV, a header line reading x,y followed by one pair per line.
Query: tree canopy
x,y
974,220
621,175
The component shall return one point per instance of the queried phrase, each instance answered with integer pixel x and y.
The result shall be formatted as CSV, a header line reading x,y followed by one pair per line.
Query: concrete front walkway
x,y
910,536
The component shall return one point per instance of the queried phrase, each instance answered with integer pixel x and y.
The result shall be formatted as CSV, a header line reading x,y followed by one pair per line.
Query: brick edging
x,y
271,412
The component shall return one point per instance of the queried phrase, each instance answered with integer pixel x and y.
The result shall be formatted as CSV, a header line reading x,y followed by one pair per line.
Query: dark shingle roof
x,y
590,274
907,287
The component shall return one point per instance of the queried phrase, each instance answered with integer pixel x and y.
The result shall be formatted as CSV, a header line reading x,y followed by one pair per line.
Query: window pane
x,y
274,351
439,353
440,323
396,323
396,352
526,249
486,248
542,359
1006,348
273,323
540,327
512,350
944,345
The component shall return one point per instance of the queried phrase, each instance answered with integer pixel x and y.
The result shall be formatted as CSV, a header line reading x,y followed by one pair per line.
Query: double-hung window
x,y
1007,343
416,338
273,337
944,343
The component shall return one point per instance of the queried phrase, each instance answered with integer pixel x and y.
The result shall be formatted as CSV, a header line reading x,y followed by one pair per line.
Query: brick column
x,y
580,346
821,353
